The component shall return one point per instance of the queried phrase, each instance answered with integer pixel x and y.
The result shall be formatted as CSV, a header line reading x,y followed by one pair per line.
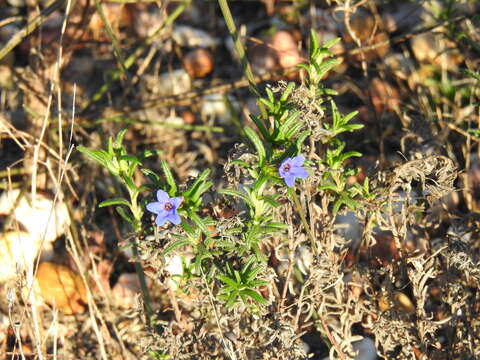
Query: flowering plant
x,y
165,208
291,168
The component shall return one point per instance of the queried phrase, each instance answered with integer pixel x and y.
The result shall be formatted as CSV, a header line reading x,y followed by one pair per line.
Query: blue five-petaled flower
x,y
291,168
165,208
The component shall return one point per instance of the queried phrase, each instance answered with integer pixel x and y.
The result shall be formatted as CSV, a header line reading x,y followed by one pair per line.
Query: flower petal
x,y
162,196
174,218
155,207
176,201
290,180
299,172
298,160
281,170
160,220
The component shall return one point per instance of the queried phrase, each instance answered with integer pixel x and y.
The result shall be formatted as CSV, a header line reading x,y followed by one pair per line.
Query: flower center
x,y
168,206
286,167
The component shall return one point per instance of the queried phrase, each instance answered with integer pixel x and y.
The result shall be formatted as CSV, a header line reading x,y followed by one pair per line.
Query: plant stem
x,y
303,219
137,225
147,300
232,29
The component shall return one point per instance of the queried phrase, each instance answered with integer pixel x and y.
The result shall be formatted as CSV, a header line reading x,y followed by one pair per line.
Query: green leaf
x,y
270,94
169,178
149,153
258,145
289,121
131,159
278,225
303,136
236,193
194,189
261,127
330,43
251,274
255,296
115,201
352,127
270,200
119,139
313,41
288,90
293,130
326,66
270,106
232,299
151,174
175,245
189,230
348,155
228,281
124,215
349,117
129,182
100,156
329,186
256,283
198,221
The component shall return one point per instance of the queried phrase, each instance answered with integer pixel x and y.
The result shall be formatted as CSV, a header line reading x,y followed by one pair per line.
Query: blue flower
x,y
165,208
291,168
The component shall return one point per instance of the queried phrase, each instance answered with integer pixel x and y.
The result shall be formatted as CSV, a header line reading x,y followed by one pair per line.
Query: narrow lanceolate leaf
x,y
169,178
116,201
270,200
228,281
236,193
301,139
294,129
194,188
119,139
268,104
286,93
100,156
200,189
330,43
258,144
261,127
349,116
313,41
123,214
151,174
175,245
198,221
255,296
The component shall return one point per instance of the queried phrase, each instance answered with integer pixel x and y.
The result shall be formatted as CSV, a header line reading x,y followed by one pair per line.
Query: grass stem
x,y
303,219
232,29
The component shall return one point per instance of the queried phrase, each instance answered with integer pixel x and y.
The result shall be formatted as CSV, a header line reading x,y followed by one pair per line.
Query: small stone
x,y
286,49
188,36
171,83
435,49
17,252
384,96
198,63
126,289
41,218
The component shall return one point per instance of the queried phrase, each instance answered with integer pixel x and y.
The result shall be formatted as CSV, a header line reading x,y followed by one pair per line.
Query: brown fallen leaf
x,y
62,288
